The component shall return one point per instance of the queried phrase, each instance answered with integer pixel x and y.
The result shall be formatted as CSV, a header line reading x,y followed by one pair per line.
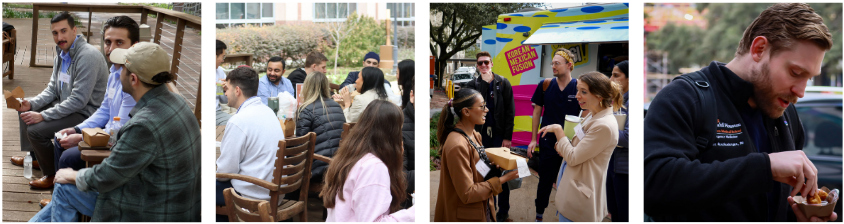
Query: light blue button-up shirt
x,y
116,103
65,63
268,89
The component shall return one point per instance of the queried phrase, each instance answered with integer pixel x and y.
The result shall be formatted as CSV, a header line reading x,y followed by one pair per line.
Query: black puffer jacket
x,y
407,136
328,125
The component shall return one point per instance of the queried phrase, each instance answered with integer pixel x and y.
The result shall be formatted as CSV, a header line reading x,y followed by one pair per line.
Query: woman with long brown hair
x,y
581,195
465,192
365,181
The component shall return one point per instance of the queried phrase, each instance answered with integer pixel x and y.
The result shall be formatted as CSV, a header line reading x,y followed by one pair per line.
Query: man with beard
x,y
727,146
118,32
152,174
75,90
557,98
273,83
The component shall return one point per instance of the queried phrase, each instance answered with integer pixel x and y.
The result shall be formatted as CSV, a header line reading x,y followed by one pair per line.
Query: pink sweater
x,y
367,194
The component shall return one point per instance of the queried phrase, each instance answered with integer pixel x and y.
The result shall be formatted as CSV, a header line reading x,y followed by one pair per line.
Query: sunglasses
x,y
483,62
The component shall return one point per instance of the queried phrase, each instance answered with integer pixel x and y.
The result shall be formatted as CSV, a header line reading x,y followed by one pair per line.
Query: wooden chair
x,y
293,169
326,159
246,210
9,49
347,127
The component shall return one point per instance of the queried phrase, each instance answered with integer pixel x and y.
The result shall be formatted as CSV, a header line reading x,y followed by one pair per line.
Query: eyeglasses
x,y
483,62
482,107
556,63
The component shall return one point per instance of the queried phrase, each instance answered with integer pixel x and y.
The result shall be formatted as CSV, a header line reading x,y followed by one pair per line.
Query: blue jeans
x,y
562,218
67,201
560,176
67,158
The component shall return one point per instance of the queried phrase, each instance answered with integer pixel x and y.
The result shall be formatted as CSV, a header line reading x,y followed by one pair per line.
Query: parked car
x,y
462,76
821,117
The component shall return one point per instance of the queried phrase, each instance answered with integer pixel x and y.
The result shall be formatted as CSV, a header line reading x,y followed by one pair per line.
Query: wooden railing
x,y
182,67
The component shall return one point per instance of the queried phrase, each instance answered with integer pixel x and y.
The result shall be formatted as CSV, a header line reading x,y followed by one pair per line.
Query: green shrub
x,y
435,144
367,35
291,41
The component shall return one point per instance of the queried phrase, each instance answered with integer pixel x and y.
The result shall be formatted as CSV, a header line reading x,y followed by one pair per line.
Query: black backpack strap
x,y
479,149
706,117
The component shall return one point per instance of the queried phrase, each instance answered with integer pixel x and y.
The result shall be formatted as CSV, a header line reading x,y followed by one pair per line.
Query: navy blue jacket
x,y
731,180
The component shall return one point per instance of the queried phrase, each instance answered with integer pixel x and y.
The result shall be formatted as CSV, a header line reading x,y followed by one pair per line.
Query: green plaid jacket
x,y
153,171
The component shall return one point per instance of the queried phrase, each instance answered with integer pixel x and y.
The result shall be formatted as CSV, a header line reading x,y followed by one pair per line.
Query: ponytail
x,y
617,96
450,113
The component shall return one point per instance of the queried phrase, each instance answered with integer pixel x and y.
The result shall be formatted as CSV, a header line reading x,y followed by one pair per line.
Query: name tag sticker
x,y
482,168
64,77
111,92
578,131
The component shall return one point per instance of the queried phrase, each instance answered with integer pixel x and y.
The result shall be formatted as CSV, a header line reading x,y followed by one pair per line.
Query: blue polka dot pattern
x,y
522,29
489,41
502,26
588,28
501,39
592,9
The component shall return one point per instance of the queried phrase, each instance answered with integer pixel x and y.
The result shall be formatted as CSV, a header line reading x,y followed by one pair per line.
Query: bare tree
x,y
339,31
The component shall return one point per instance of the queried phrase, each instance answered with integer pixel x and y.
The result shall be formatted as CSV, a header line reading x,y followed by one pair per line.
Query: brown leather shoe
x,y
18,161
46,182
44,202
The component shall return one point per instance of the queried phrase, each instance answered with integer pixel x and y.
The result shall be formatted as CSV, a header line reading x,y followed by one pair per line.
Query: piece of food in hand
x,y
814,200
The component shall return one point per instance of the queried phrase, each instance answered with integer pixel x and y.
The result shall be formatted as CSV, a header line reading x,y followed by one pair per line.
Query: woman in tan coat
x,y
464,195
581,194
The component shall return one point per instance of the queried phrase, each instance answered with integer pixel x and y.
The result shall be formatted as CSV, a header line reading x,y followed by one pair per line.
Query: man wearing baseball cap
x,y
153,171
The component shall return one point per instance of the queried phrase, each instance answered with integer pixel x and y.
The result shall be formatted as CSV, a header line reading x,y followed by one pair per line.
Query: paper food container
x,y
503,158
95,137
288,126
12,98
822,210
568,128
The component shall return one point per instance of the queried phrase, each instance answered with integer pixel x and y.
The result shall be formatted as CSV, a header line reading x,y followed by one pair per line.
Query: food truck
x,y
522,46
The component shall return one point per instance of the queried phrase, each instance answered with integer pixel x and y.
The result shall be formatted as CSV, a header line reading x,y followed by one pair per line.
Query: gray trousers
x,y
39,137
222,118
